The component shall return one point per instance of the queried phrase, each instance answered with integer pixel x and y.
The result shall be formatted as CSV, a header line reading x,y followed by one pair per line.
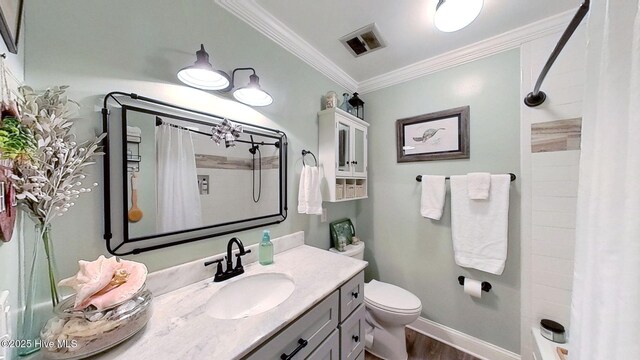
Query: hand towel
x,y
478,185
479,227
303,192
433,193
133,131
309,195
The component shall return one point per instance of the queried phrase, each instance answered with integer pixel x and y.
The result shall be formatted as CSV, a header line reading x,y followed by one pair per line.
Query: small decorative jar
x,y
345,103
331,100
77,334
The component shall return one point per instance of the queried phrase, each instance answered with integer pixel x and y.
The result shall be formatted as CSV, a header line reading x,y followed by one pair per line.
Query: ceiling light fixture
x,y
202,75
453,15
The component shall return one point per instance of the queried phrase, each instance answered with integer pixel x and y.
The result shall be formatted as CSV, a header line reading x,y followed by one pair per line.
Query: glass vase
x,y
40,289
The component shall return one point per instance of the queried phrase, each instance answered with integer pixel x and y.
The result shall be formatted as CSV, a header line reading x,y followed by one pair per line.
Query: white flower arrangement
x,y
48,185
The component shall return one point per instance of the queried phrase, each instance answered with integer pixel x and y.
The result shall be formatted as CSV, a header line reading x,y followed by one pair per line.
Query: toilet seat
x,y
391,298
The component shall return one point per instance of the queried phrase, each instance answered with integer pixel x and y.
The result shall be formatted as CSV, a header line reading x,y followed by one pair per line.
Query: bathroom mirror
x,y
179,175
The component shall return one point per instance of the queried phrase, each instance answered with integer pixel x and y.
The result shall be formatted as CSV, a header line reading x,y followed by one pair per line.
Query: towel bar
x,y
419,177
485,285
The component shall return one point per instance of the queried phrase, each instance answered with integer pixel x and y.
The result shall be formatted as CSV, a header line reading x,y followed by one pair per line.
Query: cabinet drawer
x,y
312,328
329,349
352,335
351,295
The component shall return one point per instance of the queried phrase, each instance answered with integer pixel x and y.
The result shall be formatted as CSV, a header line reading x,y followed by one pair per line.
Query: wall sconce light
x,y
453,15
252,94
203,76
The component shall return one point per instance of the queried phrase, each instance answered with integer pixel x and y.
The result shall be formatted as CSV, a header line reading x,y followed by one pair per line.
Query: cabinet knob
x,y
356,338
354,294
354,162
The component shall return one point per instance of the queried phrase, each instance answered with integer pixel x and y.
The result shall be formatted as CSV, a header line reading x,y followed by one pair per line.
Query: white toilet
x,y
389,309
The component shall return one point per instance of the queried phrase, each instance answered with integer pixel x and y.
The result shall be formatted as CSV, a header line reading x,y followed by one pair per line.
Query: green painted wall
x,y
138,46
415,253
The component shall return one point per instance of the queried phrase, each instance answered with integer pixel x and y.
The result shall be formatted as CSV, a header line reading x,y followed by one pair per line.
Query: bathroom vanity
x,y
193,317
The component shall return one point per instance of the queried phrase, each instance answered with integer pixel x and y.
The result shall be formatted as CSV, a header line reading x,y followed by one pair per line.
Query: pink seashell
x,y
137,276
91,278
95,276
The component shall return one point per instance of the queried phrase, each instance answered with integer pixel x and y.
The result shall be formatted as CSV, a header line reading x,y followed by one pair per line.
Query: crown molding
x,y
260,19
481,49
264,22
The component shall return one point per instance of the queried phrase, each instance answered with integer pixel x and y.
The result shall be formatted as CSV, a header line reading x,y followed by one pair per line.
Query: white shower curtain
x,y
605,314
177,193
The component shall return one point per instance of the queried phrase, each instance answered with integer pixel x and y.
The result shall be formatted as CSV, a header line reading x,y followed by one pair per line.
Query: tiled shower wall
x,y
549,182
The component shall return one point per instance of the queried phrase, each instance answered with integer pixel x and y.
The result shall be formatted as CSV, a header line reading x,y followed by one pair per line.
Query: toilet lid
x,y
390,297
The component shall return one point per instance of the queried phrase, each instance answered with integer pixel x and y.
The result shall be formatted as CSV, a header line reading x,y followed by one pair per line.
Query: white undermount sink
x,y
250,296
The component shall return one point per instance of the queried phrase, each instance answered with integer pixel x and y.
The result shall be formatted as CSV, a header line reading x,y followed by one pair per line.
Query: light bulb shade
x,y
252,94
453,15
201,74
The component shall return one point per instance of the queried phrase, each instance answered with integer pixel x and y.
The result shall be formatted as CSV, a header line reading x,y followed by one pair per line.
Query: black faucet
x,y
230,272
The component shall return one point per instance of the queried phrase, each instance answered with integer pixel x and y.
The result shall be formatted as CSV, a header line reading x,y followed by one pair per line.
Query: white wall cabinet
x,y
343,155
331,330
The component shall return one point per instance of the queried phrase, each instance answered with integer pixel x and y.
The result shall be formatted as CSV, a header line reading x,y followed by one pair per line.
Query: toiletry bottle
x,y
265,252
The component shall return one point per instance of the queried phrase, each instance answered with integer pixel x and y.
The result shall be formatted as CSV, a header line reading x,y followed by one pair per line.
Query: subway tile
x,y
558,249
552,294
550,279
547,233
560,158
557,112
553,265
554,203
555,188
554,219
555,173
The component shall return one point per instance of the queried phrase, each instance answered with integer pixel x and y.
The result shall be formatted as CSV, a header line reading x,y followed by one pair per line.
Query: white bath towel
x,y
479,227
309,195
433,193
478,185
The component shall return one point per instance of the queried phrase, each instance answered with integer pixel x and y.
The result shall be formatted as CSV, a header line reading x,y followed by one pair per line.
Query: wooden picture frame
x,y
441,135
10,22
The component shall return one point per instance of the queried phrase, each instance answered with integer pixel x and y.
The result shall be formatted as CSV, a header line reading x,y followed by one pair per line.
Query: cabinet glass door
x,y
343,151
359,151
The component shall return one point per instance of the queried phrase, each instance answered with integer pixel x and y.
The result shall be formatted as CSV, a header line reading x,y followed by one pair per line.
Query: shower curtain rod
x,y
159,122
419,177
537,97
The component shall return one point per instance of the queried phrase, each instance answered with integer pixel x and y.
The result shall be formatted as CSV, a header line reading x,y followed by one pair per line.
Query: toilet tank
x,y
355,251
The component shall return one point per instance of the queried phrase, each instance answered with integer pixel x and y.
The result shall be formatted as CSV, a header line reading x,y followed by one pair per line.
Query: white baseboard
x,y
461,341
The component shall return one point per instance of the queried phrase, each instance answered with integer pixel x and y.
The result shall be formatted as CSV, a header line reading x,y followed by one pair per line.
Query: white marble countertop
x,y
181,329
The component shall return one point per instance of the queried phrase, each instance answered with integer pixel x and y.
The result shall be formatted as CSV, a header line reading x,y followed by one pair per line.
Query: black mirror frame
x,y
136,247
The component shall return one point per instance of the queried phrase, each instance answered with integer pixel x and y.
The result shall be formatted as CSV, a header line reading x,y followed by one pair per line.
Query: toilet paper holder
x,y
485,285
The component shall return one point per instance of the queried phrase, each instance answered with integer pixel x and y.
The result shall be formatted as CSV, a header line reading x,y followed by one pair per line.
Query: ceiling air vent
x,y
363,40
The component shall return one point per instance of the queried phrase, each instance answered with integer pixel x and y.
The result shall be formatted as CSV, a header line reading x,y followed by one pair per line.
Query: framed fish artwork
x,y
441,135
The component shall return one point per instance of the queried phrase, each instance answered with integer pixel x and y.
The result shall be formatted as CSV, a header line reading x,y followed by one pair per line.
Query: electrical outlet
x,y
5,324
323,217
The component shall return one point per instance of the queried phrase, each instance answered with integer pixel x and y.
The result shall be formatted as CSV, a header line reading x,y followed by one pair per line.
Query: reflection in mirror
x,y
191,182
188,175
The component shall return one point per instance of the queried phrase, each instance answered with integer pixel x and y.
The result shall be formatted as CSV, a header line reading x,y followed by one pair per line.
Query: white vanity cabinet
x,y
331,330
343,155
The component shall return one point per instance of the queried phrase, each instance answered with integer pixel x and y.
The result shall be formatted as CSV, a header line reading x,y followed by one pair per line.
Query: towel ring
x,y
307,152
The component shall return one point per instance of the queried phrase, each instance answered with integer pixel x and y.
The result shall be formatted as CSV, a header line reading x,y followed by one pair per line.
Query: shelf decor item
x,y
435,136
47,186
331,100
345,103
357,106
